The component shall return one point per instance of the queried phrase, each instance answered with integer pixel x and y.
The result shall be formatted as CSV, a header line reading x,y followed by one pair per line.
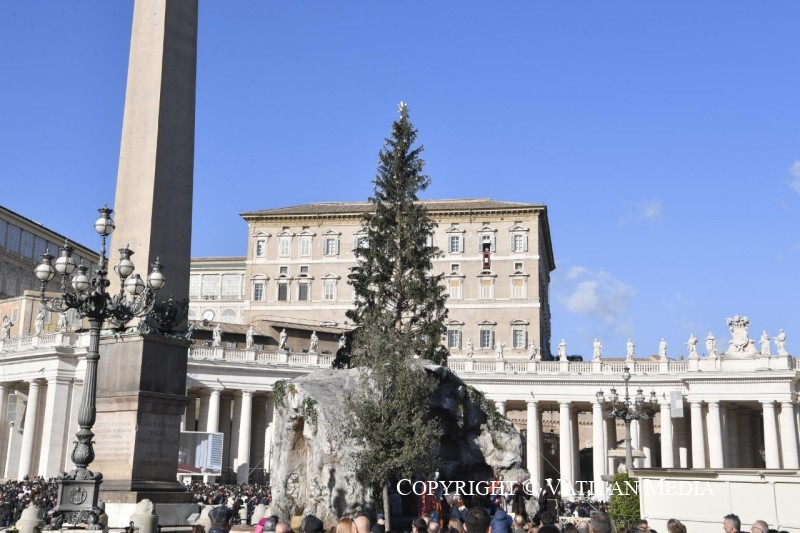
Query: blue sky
x,y
664,137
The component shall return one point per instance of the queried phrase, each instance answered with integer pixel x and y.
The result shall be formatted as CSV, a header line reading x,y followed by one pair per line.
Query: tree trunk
x,y
387,511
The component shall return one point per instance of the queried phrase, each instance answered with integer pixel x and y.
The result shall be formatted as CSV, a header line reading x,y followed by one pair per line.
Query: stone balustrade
x,y
466,365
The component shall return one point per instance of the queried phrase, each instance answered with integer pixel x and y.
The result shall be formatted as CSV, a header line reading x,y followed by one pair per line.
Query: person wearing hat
x,y
311,524
221,519
380,525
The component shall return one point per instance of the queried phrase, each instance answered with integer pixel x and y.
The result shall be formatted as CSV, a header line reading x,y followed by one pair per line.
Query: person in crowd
x,y
599,522
346,525
477,521
759,526
519,524
311,524
380,524
456,525
221,518
675,526
361,522
731,523
501,522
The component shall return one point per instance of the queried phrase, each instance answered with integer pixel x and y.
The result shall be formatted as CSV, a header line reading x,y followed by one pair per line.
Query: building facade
x,y
22,243
496,258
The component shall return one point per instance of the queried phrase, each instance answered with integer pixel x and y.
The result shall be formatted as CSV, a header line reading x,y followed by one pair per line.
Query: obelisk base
x,y
141,396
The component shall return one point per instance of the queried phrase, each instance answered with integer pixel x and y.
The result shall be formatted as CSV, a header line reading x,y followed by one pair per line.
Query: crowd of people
x,y
235,504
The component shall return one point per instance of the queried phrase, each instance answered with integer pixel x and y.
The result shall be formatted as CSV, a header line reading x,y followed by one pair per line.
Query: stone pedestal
x,y
141,397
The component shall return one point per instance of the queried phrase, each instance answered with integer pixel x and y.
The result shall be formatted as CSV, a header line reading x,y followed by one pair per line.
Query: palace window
x,y
14,236
305,246
519,288
231,286
283,291
487,288
261,247
194,287
455,286
3,231
487,338
258,291
302,291
519,242
210,287
455,245
519,338
330,246
329,290
453,338
284,245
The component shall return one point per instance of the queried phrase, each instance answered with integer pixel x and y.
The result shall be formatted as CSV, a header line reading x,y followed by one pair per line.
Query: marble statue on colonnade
x,y
630,350
691,344
597,350
780,343
313,342
562,350
764,341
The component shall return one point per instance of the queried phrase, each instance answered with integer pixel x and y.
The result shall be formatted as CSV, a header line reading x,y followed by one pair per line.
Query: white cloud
x,y
602,297
644,210
574,273
794,172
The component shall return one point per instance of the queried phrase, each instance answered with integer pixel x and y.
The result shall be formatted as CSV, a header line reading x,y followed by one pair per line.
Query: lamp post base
x,y
77,503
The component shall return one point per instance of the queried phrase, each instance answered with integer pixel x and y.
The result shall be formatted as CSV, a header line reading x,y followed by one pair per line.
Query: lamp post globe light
x,y
78,490
627,409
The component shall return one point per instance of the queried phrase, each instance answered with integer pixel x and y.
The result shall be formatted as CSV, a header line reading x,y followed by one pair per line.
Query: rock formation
x,y
314,465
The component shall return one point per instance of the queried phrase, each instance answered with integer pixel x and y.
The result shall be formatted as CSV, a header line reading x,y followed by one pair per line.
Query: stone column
x,y
236,421
29,431
667,439
268,433
636,442
611,443
565,445
576,446
599,451
501,407
242,464
212,426
225,426
72,424
771,450
3,424
788,436
202,410
55,427
716,457
257,452
646,429
698,442
534,442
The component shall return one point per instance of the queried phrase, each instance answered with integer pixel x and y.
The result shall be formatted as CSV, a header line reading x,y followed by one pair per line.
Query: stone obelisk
x,y
141,383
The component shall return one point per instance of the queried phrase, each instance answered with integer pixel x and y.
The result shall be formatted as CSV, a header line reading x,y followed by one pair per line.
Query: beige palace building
x,y
298,259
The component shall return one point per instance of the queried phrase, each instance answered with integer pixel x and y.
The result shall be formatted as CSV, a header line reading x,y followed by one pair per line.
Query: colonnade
x,y
244,417
709,434
36,417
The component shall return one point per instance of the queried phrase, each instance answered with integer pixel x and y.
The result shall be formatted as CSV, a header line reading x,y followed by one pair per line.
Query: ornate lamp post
x,y
78,490
626,410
